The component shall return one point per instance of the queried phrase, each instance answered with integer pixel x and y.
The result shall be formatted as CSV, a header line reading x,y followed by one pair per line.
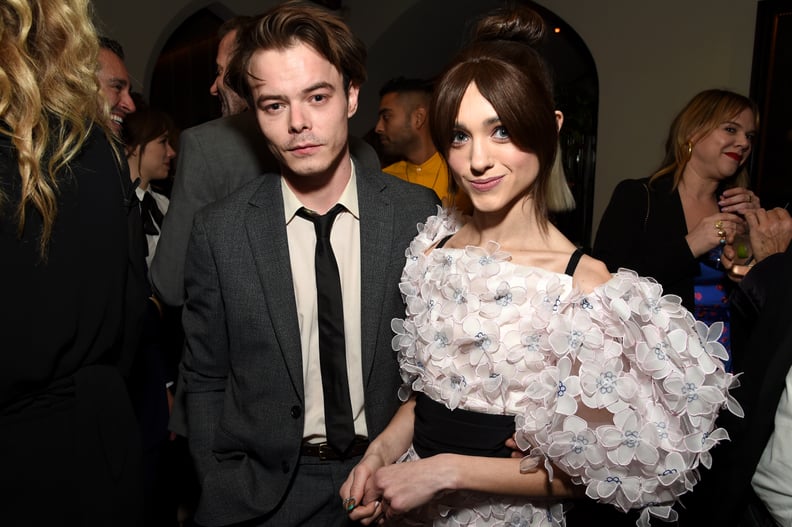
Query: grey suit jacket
x,y
242,368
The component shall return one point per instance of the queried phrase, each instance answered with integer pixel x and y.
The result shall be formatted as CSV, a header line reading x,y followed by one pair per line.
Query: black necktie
x,y
150,214
332,349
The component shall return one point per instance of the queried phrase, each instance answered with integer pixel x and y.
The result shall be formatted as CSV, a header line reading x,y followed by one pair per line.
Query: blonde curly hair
x,y
49,95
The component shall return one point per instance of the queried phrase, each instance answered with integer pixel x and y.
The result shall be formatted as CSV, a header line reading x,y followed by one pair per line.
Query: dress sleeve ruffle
x,y
628,402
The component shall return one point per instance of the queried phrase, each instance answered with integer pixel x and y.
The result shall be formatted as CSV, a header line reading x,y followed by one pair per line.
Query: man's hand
x,y
770,231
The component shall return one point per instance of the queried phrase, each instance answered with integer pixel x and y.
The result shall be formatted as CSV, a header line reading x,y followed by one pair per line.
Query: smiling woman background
x,y
672,225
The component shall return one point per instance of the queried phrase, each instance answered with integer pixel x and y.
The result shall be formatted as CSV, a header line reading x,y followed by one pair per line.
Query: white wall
x,y
652,56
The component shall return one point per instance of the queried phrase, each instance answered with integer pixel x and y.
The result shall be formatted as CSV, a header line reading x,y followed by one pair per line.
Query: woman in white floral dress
x,y
609,388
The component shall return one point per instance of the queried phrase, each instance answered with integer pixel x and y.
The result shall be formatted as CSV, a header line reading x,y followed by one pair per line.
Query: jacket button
x,y
296,412
285,466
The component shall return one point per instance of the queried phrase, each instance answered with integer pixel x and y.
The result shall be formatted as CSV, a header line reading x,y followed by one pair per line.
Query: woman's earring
x,y
689,148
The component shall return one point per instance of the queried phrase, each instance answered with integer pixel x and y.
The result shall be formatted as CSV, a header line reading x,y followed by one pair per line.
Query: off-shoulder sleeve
x,y
628,401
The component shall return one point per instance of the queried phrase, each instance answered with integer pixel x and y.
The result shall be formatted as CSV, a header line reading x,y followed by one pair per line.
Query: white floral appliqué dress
x,y
619,388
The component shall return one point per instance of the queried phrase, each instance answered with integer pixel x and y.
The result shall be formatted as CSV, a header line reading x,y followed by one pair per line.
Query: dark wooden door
x,y
771,88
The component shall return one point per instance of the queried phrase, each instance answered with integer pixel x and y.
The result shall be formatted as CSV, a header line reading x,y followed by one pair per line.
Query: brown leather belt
x,y
325,453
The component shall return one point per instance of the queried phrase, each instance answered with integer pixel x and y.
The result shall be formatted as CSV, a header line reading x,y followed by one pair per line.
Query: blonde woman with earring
x,y
673,225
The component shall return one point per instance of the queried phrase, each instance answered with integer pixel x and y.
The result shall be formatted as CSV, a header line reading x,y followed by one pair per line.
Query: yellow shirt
x,y
433,173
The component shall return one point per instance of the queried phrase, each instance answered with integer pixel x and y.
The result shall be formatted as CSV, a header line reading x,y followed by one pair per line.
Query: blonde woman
x,y
69,447
673,225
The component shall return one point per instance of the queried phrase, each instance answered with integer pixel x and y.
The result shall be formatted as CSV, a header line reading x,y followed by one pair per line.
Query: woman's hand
x,y
738,200
359,497
407,486
714,230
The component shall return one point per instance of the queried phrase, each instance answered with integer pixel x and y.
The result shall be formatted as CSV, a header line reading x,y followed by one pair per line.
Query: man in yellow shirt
x,y
403,129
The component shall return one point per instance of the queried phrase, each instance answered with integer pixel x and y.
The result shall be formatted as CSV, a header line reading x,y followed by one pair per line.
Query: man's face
x,y
302,109
115,86
230,102
394,125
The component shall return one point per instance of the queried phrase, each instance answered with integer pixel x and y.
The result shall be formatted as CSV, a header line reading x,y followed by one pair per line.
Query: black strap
x,y
440,430
443,241
573,262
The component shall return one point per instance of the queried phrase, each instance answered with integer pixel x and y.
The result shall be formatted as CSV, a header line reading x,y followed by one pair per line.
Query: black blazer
x,y
762,341
643,229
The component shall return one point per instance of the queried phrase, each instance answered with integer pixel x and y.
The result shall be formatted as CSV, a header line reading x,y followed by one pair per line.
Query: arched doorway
x,y
185,69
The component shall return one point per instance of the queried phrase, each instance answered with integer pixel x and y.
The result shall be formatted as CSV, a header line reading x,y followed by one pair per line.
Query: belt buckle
x,y
326,452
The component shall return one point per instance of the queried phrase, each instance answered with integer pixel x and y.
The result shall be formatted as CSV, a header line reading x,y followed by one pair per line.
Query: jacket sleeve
x,y
190,193
205,364
622,224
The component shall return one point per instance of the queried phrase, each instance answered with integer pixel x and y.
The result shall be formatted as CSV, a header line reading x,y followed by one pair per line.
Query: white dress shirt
x,y
162,204
345,239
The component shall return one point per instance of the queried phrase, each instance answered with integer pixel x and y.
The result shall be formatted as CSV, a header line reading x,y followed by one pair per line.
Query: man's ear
x,y
559,119
352,100
419,117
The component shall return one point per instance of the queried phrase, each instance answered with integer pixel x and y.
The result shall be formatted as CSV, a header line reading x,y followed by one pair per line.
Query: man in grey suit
x,y
254,391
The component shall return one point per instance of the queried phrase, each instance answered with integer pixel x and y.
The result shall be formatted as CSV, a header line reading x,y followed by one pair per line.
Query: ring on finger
x,y
718,225
722,241
349,504
721,233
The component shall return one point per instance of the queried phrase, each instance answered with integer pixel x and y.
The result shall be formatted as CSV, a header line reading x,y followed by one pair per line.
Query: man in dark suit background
x,y
750,484
252,385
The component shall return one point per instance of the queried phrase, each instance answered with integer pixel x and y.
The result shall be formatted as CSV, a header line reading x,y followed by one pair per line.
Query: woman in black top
x,y
672,226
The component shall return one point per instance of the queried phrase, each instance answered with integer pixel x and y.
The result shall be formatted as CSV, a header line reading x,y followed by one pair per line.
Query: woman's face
x,y
486,164
156,159
721,153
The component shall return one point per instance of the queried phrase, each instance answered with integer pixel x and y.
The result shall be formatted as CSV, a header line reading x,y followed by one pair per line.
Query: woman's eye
x,y
458,137
501,132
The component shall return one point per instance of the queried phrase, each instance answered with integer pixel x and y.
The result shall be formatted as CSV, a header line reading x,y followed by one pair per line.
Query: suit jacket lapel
x,y
376,241
266,232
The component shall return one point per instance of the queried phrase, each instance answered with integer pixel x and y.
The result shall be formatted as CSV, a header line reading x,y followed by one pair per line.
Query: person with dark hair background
x,y
147,136
230,102
403,130
114,82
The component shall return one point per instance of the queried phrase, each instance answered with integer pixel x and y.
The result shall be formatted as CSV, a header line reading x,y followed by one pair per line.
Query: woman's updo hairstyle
x,y
503,61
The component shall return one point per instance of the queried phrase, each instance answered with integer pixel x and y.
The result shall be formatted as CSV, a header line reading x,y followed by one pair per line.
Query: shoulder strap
x,y
443,241
648,202
573,262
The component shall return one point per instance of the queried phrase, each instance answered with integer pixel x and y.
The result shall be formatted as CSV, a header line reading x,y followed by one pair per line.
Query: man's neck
x,y
420,154
320,192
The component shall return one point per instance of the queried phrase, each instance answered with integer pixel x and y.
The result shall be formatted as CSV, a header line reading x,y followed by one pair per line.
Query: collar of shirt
x,y
140,192
349,198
